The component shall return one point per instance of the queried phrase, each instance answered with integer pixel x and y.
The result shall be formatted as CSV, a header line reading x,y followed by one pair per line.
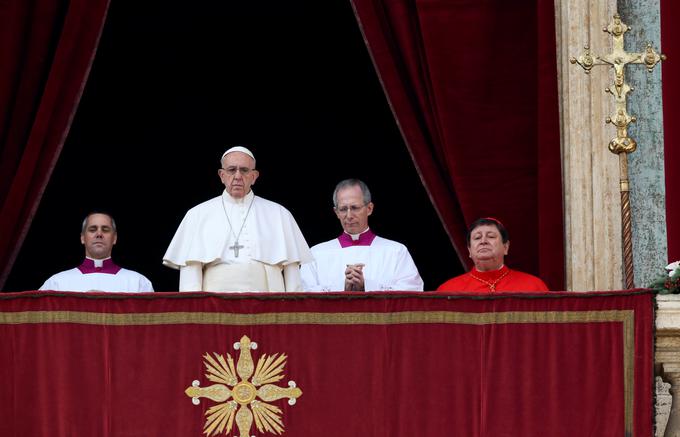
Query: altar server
x,y
98,272
358,259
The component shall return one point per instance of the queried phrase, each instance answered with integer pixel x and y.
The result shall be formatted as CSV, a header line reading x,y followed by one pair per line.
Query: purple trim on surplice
x,y
365,239
107,267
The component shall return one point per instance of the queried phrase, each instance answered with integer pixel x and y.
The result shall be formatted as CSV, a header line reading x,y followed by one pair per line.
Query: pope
x,y
238,241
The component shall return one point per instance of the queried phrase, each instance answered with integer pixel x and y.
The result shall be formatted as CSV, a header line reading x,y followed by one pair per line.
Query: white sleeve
x,y
291,277
310,277
406,276
145,285
50,284
191,277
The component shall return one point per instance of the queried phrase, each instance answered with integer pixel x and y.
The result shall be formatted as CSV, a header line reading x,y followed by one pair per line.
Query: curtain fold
x,y
670,46
473,88
46,52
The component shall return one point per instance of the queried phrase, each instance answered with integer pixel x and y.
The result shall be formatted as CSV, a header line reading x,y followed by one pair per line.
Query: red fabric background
x,y
46,50
475,96
360,375
670,46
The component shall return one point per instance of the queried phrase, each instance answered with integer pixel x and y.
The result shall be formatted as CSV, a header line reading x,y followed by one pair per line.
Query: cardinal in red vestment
x,y
488,243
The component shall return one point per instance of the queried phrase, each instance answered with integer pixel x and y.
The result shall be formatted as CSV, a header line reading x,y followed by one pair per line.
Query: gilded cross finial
x,y
618,59
621,144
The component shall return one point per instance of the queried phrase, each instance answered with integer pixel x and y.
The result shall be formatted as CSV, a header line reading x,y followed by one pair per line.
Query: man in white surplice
x,y
238,241
98,272
359,260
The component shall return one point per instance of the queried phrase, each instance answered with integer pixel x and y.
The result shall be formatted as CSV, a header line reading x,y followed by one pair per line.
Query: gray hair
x,y
348,183
84,225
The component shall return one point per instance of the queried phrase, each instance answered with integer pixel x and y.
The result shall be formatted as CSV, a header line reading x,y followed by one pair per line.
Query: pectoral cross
x,y
622,144
235,248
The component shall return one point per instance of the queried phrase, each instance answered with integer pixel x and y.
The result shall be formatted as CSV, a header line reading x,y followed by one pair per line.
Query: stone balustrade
x,y
667,366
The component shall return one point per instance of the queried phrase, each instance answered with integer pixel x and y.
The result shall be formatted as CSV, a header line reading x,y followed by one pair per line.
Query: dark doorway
x,y
175,84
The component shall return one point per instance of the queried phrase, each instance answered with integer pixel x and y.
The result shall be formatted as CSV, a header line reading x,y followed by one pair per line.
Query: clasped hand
x,y
354,277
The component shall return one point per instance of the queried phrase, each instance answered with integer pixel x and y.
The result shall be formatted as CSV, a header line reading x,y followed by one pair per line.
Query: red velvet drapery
x,y
367,364
670,46
473,87
46,50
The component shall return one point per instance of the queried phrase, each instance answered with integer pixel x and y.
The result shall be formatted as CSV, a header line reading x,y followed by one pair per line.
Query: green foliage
x,y
669,283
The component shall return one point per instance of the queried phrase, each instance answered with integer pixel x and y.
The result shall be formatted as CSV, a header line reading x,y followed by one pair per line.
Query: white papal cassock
x,y
387,264
270,246
98,275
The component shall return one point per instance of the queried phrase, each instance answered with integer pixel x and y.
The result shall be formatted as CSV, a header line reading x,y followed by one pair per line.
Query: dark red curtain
x,y
46,50
367,364
670,45
473,87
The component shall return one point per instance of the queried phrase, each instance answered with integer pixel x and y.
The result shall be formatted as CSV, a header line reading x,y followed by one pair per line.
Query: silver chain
x,y
231,228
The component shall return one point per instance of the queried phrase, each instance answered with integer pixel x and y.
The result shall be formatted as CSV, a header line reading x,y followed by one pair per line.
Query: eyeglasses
x,y
231,170
353,208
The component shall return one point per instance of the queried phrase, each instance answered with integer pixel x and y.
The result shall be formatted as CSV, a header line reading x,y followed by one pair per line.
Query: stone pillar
x,y
646,165
590,172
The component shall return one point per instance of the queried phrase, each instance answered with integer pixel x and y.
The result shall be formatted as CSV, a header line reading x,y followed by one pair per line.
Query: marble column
x,y
646,165
590,172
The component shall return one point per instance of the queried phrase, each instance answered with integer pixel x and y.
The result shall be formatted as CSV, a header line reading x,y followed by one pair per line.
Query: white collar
x,y
355,237
245,200
98,262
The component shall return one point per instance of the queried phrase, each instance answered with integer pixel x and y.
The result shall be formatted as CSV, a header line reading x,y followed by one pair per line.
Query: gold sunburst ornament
x,y
245,400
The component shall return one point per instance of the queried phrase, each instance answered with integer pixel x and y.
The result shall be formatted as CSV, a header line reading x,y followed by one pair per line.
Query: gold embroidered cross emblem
x,y
246,400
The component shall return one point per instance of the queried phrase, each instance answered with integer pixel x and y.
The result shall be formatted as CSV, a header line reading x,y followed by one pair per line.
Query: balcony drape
x,y
369,364
473,88
46,51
